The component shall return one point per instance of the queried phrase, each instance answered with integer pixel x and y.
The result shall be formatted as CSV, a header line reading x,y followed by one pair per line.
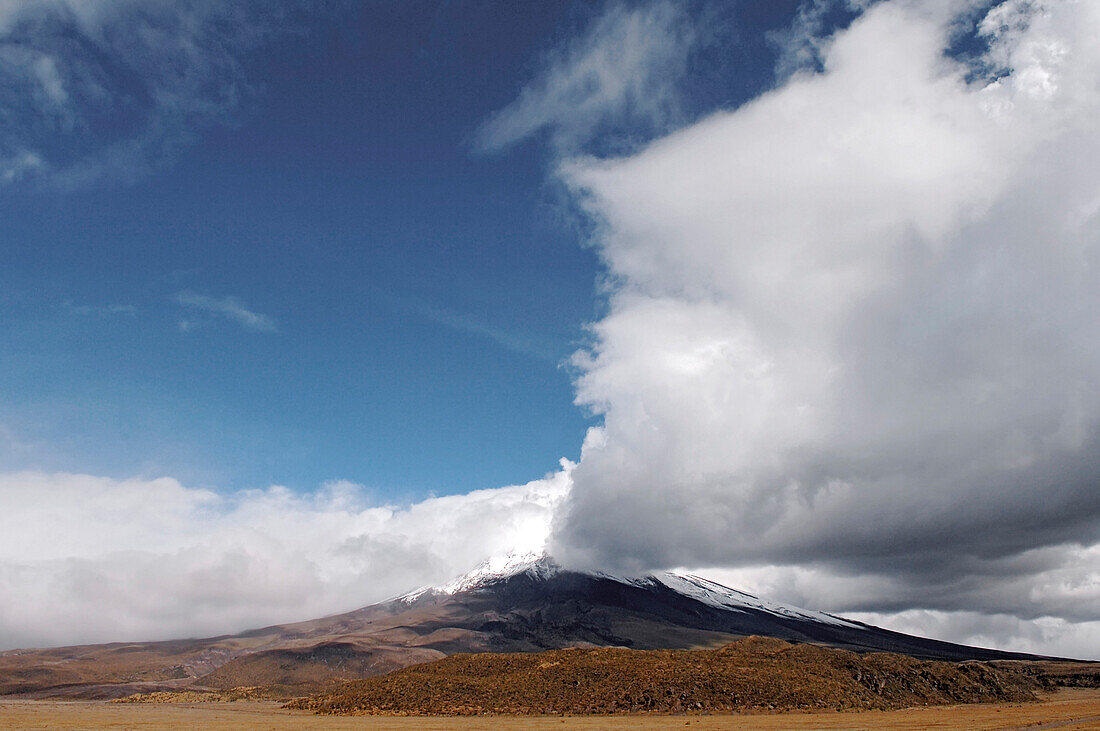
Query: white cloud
x,y
15,166
802,44
852,327
111,88
1043,636
229,308
1043,600
96,559
624,68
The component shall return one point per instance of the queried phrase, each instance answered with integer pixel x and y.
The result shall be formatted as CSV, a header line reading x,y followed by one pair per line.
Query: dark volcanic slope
x,y
528,612
534,608
752,673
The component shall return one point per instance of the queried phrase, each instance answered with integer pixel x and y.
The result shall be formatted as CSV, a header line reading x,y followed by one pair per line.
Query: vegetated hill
x,y
524,605
1057,673
754,673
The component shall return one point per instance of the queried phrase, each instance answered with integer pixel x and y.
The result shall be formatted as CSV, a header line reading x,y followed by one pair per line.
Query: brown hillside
x,y
540,608
293,672
752,673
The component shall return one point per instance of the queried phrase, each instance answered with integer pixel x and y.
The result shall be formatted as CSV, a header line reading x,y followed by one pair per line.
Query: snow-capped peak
x,y
537,565
540,566
496,568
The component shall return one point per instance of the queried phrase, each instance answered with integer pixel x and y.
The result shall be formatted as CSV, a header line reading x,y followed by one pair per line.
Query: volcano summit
x,y
517,604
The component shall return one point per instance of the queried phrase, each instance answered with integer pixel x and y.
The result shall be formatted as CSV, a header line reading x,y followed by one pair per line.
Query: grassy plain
x,y
1066,709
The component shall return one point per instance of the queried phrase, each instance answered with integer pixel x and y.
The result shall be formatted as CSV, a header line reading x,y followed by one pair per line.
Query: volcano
x,y
517,604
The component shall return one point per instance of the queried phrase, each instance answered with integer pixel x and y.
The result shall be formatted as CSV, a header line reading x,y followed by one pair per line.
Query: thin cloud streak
x,y
461,322
229,308
624,68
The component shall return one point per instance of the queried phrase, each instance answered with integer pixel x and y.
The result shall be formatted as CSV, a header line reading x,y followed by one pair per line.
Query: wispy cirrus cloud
x,y
625,68
93,89
518,342
229,308
525,342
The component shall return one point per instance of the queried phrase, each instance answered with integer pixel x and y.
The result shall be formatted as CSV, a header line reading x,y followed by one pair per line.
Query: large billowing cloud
x,y
853,326
91,559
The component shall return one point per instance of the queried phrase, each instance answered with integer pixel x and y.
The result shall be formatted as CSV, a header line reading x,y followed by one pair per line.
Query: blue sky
x,y
423,295
301,304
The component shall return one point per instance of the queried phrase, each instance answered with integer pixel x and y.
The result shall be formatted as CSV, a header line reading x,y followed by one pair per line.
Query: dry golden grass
x,y
1067,709
250,693
754,673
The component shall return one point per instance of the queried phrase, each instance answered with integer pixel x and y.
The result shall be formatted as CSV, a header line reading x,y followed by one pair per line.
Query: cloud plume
x,y
852,325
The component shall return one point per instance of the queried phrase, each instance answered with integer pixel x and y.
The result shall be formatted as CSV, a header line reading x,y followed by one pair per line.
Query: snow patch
x,y
716,595
539,566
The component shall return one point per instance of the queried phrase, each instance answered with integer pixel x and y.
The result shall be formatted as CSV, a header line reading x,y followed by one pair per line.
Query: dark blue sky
x,y
420,298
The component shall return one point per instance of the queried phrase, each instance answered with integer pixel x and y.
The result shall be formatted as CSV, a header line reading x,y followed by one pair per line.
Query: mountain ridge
x,y
542,566
520,603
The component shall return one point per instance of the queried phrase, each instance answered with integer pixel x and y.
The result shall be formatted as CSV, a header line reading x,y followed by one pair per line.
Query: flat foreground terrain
x,y
1070,708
